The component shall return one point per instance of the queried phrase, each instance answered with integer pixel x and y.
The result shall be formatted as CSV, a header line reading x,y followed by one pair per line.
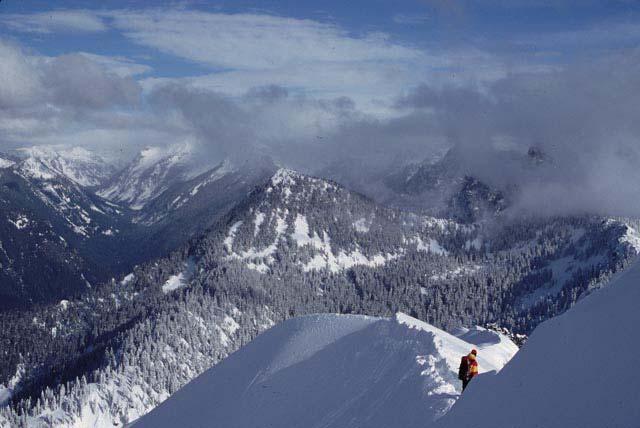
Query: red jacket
x,y
468,367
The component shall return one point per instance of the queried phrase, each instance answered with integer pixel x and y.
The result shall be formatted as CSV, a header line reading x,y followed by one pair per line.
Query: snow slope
x,y
6,163
330,371
152,172
77,164
577,370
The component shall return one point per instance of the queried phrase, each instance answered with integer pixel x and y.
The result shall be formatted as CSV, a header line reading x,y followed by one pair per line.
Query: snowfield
x,y
576,370
75,163
175,282
333,371
6,163
150,174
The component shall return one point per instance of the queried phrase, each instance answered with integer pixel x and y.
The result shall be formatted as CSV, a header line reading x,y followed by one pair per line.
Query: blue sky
x,y
529,31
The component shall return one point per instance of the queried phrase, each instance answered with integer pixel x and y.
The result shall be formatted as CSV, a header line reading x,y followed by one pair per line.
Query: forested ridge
x,y
296,245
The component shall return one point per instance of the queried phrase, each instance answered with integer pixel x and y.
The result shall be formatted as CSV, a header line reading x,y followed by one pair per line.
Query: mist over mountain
x,y
293,245
589,135
201,202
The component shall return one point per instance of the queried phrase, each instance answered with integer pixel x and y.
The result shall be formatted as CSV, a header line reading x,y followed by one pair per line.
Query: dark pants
x,y
465,382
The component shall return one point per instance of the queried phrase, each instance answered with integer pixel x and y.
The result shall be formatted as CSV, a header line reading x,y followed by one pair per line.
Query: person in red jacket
x,y
468,368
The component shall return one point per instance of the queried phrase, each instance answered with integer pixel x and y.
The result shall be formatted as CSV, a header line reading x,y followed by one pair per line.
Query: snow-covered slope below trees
x,y
576,370
331,371
156,356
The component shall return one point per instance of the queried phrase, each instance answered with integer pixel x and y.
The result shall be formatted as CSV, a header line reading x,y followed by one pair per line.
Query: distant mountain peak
x,y
538,156
77,164
286,179
150,173
152,155
6,162
284,176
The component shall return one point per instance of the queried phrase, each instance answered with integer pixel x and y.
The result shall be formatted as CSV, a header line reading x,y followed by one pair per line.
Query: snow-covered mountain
x,y
59,235
56,237
332,371
229,181
318,224
189,208
77,164
447,187
181,193
294,245
152,172
298,225
6,161
576,370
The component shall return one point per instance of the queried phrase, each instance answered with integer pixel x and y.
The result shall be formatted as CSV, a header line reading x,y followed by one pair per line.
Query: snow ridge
x,y
150,174
329,371
574,371
77,164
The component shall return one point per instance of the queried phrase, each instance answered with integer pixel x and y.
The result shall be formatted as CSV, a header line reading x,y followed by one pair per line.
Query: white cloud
x,y
76,81
118,65
19,81
242,51
247,50
370,87
245,41
50,99
32,81
55,21
411,19
609,36
308,57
